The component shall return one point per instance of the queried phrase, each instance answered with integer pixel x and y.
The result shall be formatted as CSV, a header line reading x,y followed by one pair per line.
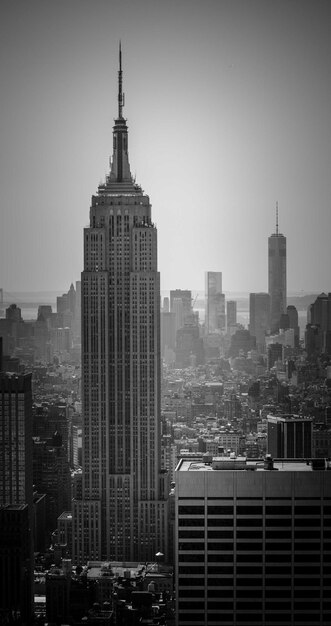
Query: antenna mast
x,y
276,218
120,92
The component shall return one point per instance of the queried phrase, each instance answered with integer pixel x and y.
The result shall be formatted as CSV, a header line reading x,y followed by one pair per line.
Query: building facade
x,y
122,514
253,542
16,497
290,436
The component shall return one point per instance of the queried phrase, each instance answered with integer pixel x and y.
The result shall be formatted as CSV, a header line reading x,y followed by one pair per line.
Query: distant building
x,y
274,353
319,318
214,302
276,276
168,331
166,305
189,347
231,313
241,343
181,305
259,318
294,323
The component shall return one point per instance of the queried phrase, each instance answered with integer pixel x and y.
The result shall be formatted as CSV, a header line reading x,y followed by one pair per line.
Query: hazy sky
x,y
229,110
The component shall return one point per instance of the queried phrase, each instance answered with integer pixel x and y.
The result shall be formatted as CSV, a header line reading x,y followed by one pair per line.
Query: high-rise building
x,y
215,302
290,436
276,276
16,497
253,542
231,313
16,565
181,305
259,318
274,353
319,316
294,323
16,484
123,511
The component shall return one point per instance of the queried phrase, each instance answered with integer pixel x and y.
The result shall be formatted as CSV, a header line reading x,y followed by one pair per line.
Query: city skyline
x,y
258,73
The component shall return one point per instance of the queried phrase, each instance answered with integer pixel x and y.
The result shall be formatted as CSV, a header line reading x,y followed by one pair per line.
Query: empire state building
x,y
122,511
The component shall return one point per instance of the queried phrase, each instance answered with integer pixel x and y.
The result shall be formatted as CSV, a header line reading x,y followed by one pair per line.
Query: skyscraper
x,y
16,494
16,439
231,313
215,302
259,317
122,514
276,276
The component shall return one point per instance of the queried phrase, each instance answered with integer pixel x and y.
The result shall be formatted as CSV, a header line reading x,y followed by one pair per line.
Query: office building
x,y
168,332
16,439
16,565
259,318
289,436
16,496
274,354
253,542
231,313
294,323
123,511
319,318
276,276
214,302
185,295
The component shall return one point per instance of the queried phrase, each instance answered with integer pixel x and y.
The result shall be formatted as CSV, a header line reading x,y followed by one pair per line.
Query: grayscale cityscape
x,y
165,372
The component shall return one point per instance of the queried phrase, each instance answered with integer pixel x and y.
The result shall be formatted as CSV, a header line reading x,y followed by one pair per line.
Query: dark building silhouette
x,y
294,323
16,496
16,564
319,318
16,439
51,475
241,342
290,436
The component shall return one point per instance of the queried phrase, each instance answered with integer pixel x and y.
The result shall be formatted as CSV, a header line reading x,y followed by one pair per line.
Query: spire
x,y
120,92
120,173
276,218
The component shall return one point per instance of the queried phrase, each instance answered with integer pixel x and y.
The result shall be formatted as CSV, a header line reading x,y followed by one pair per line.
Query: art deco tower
x,y
276,276
122,515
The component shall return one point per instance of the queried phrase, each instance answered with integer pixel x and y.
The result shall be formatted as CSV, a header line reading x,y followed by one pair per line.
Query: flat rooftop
x,y
243,464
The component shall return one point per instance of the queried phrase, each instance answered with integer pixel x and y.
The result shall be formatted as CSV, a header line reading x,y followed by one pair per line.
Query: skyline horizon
x,y
247,128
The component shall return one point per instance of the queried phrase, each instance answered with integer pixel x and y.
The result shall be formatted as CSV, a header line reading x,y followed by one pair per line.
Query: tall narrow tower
x,y
276,276
122,515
